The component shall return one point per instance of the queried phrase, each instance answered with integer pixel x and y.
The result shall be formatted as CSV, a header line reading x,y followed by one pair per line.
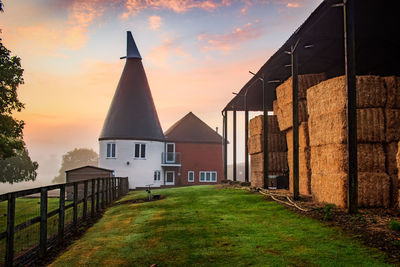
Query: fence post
x,y
112,189
75,218
115,188
85,194
61,214
109,191
92,198
102,193
98,195
10,229
43,222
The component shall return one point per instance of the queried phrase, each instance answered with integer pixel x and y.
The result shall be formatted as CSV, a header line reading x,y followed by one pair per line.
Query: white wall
x,y
139,171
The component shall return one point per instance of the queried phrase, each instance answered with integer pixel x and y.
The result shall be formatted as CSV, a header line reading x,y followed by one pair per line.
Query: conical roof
x,y
132,114
190,129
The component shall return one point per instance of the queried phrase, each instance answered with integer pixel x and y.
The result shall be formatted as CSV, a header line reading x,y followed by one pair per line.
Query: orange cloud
x,y
178,6
229,41
83,13
293,5
155,22
159,55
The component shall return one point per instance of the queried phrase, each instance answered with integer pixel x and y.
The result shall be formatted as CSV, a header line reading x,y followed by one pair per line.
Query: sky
x,y
195,53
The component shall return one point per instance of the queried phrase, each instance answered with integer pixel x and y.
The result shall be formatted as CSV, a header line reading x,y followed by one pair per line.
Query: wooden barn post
x,y
350,67
226,145
234,146
246,141
295,144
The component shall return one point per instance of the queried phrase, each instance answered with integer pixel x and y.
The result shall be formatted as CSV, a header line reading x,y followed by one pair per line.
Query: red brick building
x,y
197,150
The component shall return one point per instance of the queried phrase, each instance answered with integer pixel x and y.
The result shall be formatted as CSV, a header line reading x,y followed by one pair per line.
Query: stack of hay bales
x,y
392,130
283,108
328,138
398,172
276,149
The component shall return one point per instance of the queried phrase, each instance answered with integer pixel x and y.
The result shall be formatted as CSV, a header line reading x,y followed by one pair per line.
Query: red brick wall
x,y
199,157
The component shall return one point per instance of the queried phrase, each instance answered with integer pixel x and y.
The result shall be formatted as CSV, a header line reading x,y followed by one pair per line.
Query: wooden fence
x,y
96,193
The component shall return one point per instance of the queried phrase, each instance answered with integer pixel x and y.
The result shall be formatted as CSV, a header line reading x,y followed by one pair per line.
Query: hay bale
x,y
330,95
331,128
276,143
304,183
392,84
371,92
392,125
285,90
257,178
285,115
256,144
391,152
330,188
394,191
304,170
334,158
277,162
373,189
257,162
256,125
303,136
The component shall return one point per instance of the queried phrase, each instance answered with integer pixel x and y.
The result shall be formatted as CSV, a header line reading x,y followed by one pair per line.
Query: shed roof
x,y
132,114
321,49
190,129
90,167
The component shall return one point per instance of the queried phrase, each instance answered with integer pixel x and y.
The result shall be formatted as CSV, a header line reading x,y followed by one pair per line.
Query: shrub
x,y
394,225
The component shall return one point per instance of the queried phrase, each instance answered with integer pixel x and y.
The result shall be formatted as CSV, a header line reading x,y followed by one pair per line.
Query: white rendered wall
x,y
140,172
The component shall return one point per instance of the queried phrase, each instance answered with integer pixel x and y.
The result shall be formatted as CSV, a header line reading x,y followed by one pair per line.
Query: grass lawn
x,y
204,226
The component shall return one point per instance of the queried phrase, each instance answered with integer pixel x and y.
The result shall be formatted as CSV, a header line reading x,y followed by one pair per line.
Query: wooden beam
x,y
10,229
61,215
226,145
295,114
43,223
234,146
350,67
246,145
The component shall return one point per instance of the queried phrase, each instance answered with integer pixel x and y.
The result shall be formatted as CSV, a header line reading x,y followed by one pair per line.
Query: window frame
x,y
210,176
157,176
193,178
140,151
113,148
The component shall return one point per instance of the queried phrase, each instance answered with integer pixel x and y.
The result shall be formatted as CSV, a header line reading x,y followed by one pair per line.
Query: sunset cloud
x,y
155,22
230,41
293,5
178,6
160,55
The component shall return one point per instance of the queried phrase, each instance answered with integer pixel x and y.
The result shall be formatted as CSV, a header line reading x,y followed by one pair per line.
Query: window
x,y
157,175
140,151
111,150
208,177
191,176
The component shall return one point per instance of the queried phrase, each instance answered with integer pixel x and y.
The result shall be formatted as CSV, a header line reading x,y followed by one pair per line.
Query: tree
x,y
76,158
15,163
18,168
10,129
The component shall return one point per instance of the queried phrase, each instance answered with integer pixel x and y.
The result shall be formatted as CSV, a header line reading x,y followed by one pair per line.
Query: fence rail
x,y
103,191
